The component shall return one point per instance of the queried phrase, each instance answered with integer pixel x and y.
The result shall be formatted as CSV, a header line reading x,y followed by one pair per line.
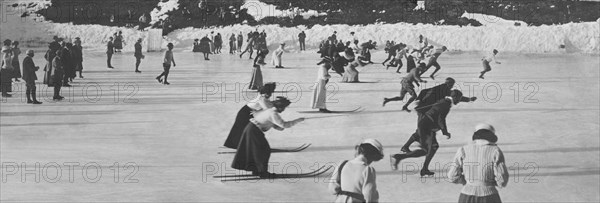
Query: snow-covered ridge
x,y
570,38
574,37
160,12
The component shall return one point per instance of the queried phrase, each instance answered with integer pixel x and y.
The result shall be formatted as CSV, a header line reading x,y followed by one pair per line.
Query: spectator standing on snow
x,y
240,42
301,38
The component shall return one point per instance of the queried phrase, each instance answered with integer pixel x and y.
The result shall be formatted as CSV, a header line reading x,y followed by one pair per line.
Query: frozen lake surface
x,y
165,139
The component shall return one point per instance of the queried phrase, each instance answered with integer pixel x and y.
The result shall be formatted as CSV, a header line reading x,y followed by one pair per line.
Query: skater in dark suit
x,y
426,99
30,77
57,74
68,64
253,151
78,56
110,50
433,120
138,55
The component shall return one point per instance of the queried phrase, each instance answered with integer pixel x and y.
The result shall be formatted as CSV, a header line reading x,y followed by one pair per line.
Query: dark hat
x,y
281,102
268,88
485,132
456,93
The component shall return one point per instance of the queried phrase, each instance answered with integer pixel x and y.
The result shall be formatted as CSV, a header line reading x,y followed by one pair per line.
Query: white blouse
x,y
259,103
270,118
357,177
323,73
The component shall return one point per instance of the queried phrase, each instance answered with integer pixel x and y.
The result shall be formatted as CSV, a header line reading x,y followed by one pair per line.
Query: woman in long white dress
x,y
320,92
276,58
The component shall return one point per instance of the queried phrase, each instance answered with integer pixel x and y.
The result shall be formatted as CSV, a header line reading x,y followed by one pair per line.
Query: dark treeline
x,y
204,13
447,12
191,13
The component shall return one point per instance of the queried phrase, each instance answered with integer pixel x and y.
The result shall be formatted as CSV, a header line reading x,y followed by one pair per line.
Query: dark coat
x,y
196,46
138,50
68,63
301,36
110,48
205,45
29,69
430,96
118,42
50,54
438,112
57,69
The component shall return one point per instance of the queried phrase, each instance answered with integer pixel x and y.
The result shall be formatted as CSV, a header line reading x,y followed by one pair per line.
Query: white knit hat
x,y
375,144
485,126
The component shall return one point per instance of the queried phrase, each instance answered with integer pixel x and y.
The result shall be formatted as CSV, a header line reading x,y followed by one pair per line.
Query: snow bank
x,y
260,10
490,20
574,37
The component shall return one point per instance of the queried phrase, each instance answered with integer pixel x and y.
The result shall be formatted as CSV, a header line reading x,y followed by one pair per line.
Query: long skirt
x,y
253,152
79,66
463,198
48,75
350,73
241,120
257,80
16,69
6,80
319,95
276,60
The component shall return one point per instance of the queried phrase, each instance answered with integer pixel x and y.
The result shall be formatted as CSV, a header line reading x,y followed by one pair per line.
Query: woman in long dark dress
x,y
245,114
205,46
196,46
254,151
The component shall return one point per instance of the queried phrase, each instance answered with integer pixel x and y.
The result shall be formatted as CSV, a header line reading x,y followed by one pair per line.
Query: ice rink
x,y
123,137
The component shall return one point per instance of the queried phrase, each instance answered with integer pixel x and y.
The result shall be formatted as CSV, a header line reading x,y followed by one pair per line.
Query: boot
x,y
35,101
426,173
395,160
28,93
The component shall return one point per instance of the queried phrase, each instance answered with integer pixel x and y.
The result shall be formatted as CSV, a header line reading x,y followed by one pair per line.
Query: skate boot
x,y
395,160
385,101
404,108
405,149
426,173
